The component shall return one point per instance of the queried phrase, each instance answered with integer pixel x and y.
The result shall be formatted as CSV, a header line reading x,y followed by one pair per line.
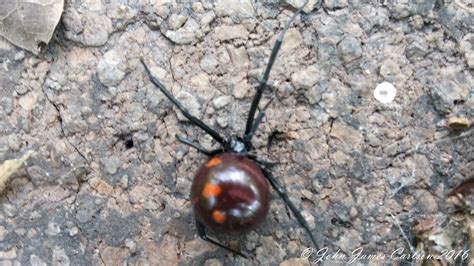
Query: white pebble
x,y
385,92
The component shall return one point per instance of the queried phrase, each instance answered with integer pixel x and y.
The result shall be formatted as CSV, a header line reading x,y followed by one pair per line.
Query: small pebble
x,y
349,49
175,21
31,233
60,257
124,181
83,216
235,8
110,68
36,260
333,4
207,19
162,8
185,35
73,231
389,68
8,254
310,5
306,77
131,245
353,212
19,56
222,121
225,33
241,89
270,251
198,8
3,232
190,102
53,229
208,63
309,219
279,234
467,47
10,210
252,240
417,22
111,164
96,29
22,89
14,142
6,103
221,101
292,247
213,262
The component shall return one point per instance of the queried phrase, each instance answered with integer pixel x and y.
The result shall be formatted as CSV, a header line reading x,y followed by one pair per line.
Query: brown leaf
x,y
8,167
464,189
458,123
423,225
29,24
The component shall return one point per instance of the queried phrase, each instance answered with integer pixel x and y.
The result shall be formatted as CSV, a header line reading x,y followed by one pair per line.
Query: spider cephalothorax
x,y
230,192
236,144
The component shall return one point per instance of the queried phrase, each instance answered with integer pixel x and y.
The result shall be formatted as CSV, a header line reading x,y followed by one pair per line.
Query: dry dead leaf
x,y
29,24
8,167
458,123
441,240
423,225
464,189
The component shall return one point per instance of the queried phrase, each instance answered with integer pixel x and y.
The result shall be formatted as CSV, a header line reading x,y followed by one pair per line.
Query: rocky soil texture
x,y
109,183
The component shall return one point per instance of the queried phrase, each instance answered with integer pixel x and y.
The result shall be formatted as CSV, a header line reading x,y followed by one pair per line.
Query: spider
x,y
230,192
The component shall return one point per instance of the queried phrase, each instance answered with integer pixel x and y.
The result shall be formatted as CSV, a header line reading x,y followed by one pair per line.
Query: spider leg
x,y
181,108
202,234
284,196
258,120
197,146
263,82
262,162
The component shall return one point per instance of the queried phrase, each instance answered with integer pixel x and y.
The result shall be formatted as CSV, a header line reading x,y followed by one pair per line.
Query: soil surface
x,y
109,183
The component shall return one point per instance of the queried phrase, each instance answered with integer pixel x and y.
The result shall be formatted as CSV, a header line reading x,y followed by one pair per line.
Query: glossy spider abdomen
x,y
230,194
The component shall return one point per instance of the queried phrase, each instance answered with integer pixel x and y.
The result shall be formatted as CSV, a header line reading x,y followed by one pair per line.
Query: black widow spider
x,y
230,192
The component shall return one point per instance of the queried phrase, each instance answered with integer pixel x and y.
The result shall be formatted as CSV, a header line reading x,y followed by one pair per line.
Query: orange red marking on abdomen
x,y
213,162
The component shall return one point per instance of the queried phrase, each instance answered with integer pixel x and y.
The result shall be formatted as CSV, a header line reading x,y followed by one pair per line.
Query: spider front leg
x,y
284,196
181,108
262,163
252,126
198,147
258,120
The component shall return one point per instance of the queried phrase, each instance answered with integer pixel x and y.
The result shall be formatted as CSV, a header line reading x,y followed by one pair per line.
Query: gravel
x,y
305,78
111,68
175,21
109,183
189,33
238,9
96,30
467,47
226,33
349,49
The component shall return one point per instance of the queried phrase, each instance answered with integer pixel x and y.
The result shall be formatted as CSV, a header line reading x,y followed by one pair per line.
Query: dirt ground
x,y
109,183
